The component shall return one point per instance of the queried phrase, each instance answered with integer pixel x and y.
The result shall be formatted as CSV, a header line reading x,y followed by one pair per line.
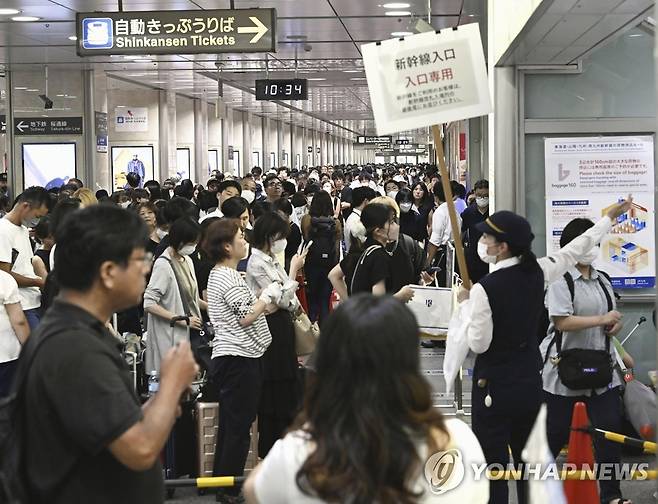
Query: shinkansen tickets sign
x,y
176,32
427,79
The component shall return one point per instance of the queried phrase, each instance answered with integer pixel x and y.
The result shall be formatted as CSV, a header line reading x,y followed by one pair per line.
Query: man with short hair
x,y
273,188
16,250
474,214
227,189
84,431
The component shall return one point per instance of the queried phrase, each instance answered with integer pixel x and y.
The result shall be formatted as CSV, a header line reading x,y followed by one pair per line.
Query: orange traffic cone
x,y
581,453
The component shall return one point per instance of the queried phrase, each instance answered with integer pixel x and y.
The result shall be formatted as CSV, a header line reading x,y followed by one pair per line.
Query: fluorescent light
x,y
352,71
25,18
401,34
9,12
396,5
398,13
317,78
358,78
32,90
20,88
142,60
72,37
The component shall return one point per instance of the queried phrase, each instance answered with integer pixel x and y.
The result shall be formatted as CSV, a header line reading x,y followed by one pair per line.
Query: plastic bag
x,y
456,343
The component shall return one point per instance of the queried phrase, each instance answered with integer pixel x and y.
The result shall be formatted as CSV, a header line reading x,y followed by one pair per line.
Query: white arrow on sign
x,y
260,29
22,127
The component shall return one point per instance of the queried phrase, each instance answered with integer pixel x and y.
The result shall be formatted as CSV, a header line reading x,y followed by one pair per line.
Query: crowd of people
x,y
177,262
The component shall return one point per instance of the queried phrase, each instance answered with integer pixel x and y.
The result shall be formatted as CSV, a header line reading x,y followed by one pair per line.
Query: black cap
x,y
508,227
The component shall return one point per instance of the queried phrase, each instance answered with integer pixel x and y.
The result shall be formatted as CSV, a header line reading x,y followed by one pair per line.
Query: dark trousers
x,y
239,381
7,371
604,412
507,422
318,292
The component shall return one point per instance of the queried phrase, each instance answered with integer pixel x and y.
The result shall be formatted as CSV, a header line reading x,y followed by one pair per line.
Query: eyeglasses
x,y
276,185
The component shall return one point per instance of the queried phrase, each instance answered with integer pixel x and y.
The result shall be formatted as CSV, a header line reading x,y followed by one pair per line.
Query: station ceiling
x,y
316,39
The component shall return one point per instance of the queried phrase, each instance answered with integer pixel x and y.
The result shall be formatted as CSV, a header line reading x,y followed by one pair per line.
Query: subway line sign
x,y
176,32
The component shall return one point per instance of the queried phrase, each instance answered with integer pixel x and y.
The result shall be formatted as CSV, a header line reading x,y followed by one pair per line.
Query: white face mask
x,y
482,202
482,252
250,196
187,249
392,194
278,246
589,257
405,207
124,204
161,233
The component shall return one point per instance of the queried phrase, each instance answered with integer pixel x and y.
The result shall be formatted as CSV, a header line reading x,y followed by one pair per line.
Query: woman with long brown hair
x,y
368,430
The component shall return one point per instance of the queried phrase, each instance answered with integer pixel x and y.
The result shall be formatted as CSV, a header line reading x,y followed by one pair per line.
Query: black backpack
x,y
324,252
13,489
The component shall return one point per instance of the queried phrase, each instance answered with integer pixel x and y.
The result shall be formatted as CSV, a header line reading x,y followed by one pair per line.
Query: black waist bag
x,y
579,368
583,368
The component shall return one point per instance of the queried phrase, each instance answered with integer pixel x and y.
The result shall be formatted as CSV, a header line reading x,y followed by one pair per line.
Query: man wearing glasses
x,y
273,188
83,429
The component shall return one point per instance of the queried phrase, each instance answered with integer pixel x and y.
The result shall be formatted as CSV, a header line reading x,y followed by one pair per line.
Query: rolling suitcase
x,y
207,427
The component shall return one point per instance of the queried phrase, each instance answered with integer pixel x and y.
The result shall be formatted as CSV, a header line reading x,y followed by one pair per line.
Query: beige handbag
x,y
306,333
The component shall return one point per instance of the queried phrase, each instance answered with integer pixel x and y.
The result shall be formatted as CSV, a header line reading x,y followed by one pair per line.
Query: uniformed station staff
x,y
506,308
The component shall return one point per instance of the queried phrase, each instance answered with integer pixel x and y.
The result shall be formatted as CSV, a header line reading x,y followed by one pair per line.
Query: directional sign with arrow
x,y
39,126
259,29
176,32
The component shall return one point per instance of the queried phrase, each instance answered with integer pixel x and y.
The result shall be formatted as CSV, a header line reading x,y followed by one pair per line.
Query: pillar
x,y
200,174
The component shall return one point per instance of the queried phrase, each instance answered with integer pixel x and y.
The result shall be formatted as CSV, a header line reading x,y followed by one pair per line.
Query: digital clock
x,y
281,89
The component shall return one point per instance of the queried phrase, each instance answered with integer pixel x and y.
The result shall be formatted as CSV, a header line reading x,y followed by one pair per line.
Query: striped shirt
x,y
229,301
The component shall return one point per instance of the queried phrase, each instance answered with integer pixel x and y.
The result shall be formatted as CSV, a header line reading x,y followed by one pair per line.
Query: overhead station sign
x,y
176,32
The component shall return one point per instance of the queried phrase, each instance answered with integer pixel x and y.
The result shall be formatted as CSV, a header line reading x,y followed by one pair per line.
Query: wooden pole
x,y
456,231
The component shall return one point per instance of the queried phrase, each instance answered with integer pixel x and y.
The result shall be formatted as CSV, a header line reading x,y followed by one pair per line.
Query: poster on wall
x,y
183,163
131,159
131,118
48,164
584,177
213,161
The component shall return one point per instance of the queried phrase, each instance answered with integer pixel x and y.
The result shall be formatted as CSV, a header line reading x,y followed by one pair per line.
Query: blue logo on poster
x,y
97,33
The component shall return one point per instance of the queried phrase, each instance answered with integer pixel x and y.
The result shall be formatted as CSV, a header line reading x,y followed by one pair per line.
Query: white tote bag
x,y
432,307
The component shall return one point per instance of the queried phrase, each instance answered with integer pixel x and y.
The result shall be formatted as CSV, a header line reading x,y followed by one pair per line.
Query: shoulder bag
x,y
583,368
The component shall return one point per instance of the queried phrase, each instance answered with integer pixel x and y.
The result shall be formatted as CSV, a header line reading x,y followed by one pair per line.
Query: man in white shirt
x,y
227,189
16,250
361,196
13,330
441,230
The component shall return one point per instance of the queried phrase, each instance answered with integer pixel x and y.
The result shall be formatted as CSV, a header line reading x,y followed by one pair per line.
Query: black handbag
x,y
582,368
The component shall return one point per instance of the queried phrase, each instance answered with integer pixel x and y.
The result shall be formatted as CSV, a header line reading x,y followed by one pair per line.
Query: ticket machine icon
x,y
97,33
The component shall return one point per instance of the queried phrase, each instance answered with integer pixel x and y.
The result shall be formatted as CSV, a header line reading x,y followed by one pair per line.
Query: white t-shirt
x,y
10,347
276,483
441,230
13,237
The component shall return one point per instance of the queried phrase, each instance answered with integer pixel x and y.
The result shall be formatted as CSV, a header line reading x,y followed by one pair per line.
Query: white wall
x,y
185,128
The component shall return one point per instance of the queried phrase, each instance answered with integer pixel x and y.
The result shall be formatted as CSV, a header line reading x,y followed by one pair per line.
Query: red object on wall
x,y
462,146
